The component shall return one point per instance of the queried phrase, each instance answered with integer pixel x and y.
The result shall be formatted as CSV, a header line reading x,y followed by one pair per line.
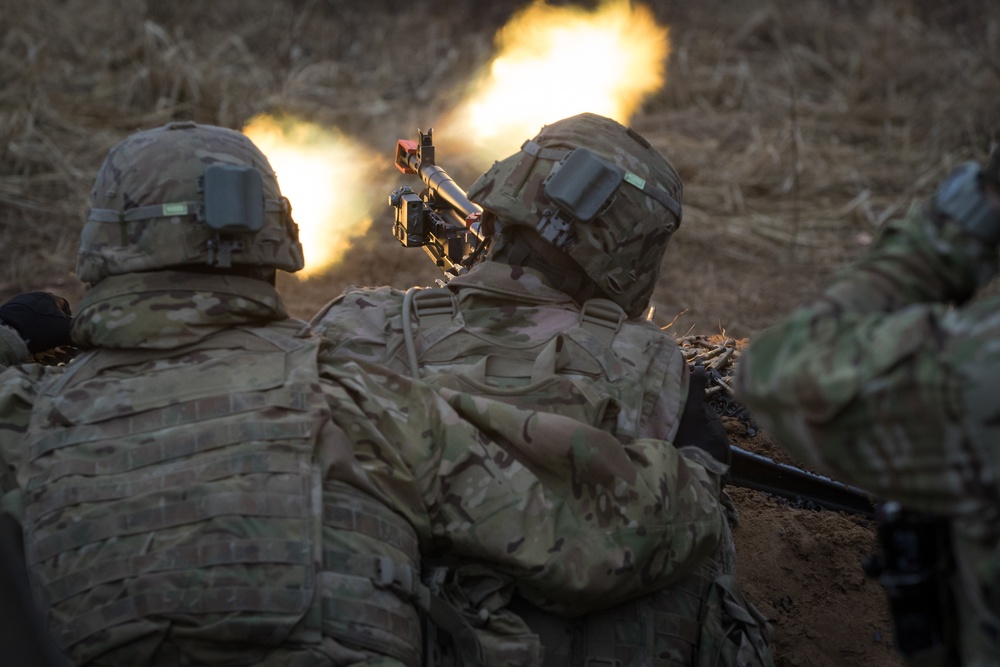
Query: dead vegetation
x,y
798,126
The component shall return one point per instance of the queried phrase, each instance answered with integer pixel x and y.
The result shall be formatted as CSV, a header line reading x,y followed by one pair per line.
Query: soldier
x,y
888,380
550,322
184,493
35,322
209,483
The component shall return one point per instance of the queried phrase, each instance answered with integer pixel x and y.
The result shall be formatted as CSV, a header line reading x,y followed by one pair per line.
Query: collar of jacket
x,y
168,309
515,282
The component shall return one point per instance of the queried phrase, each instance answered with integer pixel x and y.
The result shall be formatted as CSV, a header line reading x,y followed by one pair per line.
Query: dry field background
x,y
798,127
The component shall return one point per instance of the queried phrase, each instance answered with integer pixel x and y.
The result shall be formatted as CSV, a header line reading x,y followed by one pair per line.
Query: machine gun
x,y
441,219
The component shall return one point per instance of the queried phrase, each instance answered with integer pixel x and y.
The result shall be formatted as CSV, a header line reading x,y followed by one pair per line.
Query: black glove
x,y
42,319
700,425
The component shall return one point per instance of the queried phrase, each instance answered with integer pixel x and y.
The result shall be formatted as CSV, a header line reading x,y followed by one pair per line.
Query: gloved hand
x,y
700,425
42,319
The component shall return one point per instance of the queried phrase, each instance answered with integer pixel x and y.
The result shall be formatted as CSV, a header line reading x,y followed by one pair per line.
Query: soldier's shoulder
x,y
644,332
359,316
13,350
365,298
357,301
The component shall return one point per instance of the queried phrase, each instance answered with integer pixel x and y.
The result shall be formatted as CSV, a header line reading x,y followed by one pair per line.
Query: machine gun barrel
x,y
441,219
753,471
410,159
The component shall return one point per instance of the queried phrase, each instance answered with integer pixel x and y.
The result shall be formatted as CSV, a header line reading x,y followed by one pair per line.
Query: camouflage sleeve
x,y
15,409
17,395
576,517
13,350
354,323
921,258
876,382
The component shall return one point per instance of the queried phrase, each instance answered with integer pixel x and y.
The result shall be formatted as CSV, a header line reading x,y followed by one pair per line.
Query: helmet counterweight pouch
x,y
234,198
583,185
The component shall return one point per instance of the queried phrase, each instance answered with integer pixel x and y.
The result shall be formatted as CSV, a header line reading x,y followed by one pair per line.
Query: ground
x,y
798,127
802,568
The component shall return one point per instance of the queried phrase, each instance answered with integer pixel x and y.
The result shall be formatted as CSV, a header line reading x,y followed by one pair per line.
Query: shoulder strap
x,y
602,318
429,307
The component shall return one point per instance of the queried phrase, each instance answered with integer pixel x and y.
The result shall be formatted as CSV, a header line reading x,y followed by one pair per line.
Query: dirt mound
x,y
800,565
802,569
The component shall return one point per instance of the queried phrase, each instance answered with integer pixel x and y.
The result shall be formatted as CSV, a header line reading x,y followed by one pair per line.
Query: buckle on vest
x,y
399,577
602,318
433,305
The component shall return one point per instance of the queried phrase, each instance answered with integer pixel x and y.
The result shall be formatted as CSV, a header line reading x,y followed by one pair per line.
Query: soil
x,y
798,127
802,569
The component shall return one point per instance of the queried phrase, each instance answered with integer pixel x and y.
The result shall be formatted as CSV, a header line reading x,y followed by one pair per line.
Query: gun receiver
x,y
441,219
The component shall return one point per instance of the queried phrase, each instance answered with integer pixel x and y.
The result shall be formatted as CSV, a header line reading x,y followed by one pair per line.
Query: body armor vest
x,y
176,492
600,370
623,365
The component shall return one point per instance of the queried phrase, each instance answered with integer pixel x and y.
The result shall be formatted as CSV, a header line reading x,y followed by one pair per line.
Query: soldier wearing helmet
x,y
550,323
210,483
889,379
185,493
589,204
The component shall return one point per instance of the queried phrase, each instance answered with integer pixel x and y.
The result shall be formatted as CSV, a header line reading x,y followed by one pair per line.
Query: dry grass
x,y
798,125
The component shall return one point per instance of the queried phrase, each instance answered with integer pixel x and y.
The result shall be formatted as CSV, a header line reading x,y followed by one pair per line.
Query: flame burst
x,y
324,175
556,62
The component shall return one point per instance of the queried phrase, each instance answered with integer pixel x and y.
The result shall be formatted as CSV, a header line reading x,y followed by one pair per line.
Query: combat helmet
x,y
191,195
598,191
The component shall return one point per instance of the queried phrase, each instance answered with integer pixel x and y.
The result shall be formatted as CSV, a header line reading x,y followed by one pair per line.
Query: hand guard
x,y
42,319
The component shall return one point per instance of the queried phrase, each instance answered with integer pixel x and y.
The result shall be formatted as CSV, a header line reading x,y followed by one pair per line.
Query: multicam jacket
x,y
535,372
186,496
885,385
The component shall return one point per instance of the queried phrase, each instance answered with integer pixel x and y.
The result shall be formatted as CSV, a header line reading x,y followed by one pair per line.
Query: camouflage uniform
x,y
885,385
520,358
611,529
185,493
208,483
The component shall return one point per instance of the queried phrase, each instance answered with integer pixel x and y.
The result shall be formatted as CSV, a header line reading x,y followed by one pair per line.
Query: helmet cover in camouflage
x,y
620,249
138,220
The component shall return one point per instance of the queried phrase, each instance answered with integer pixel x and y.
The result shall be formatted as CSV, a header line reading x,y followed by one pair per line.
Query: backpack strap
x,y
602,318
429,307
